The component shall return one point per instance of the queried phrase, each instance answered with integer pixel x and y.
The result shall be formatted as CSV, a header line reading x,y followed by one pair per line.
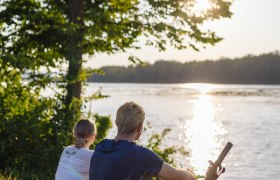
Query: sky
x,y
254,29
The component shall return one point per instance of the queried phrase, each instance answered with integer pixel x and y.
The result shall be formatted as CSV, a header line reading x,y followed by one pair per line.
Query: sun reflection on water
x,y
203,131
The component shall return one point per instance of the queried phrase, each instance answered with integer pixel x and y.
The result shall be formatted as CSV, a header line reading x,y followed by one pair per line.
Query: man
x,y
122,159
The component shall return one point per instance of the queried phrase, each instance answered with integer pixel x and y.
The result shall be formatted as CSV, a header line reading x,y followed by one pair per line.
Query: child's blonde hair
x,y
83,130
129,116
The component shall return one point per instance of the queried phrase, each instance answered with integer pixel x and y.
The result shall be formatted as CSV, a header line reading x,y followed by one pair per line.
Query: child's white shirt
x,y
74,164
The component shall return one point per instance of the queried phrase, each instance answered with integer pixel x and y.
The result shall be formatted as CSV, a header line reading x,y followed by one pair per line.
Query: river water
x,y
203,118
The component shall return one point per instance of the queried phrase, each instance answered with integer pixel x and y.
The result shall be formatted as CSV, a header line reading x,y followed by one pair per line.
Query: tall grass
x,y
8,175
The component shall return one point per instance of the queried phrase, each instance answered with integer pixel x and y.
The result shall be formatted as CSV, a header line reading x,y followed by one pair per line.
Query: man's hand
x,y
214,171
191,174
169,172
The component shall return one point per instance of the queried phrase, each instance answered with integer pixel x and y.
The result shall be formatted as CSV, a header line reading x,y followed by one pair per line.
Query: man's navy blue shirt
x,y
122,160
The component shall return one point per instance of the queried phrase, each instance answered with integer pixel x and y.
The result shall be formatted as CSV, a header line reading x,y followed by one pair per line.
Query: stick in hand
x,y
216,169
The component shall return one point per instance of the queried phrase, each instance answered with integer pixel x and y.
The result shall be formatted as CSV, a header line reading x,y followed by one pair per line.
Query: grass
x,y
8,175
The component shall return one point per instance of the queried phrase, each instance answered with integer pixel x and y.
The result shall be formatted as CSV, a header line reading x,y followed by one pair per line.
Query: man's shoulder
x,y
141,148
149,161
144,152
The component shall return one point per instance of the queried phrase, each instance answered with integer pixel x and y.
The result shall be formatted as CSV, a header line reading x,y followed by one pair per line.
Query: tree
x,y
38,36
45,33
261,69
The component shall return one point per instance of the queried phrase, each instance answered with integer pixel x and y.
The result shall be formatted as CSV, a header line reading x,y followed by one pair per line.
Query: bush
x,y
35,129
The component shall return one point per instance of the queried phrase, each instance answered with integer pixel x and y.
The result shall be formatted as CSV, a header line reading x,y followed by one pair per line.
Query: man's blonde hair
x,y
129,116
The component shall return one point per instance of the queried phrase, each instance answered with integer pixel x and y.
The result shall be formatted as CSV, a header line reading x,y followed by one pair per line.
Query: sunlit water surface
x,y
203,118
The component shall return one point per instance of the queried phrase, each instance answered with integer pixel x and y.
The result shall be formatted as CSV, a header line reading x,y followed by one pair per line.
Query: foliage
x,y
47,33
103,124
8,175
33,129
261,69
155,144
44,27
24,123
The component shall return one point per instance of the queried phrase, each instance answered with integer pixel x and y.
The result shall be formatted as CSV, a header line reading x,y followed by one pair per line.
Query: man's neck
x,y
127,137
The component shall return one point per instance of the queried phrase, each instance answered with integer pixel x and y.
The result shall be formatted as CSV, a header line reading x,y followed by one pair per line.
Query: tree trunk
x,y
74,54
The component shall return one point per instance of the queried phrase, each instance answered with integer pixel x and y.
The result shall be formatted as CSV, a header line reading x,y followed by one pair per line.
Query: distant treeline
x,y
262,69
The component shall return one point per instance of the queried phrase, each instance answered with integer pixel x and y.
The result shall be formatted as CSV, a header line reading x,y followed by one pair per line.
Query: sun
x,y
201,6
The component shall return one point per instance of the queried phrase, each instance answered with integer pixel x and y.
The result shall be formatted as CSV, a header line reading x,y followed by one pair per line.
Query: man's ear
x,y
139,128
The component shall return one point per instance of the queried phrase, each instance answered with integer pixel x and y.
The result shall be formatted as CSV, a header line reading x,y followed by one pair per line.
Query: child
x,y
75,160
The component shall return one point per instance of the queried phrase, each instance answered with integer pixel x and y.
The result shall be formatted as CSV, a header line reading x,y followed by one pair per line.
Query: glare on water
x,y
202,132
202,88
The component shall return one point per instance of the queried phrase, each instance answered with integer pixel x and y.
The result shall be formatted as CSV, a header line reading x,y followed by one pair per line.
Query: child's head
x,y
129,117
84,133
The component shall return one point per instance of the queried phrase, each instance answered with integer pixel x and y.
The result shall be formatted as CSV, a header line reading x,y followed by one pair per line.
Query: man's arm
x,y
168,172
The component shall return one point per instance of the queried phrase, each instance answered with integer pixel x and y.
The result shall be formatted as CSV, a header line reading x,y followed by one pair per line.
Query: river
x,y
203,118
